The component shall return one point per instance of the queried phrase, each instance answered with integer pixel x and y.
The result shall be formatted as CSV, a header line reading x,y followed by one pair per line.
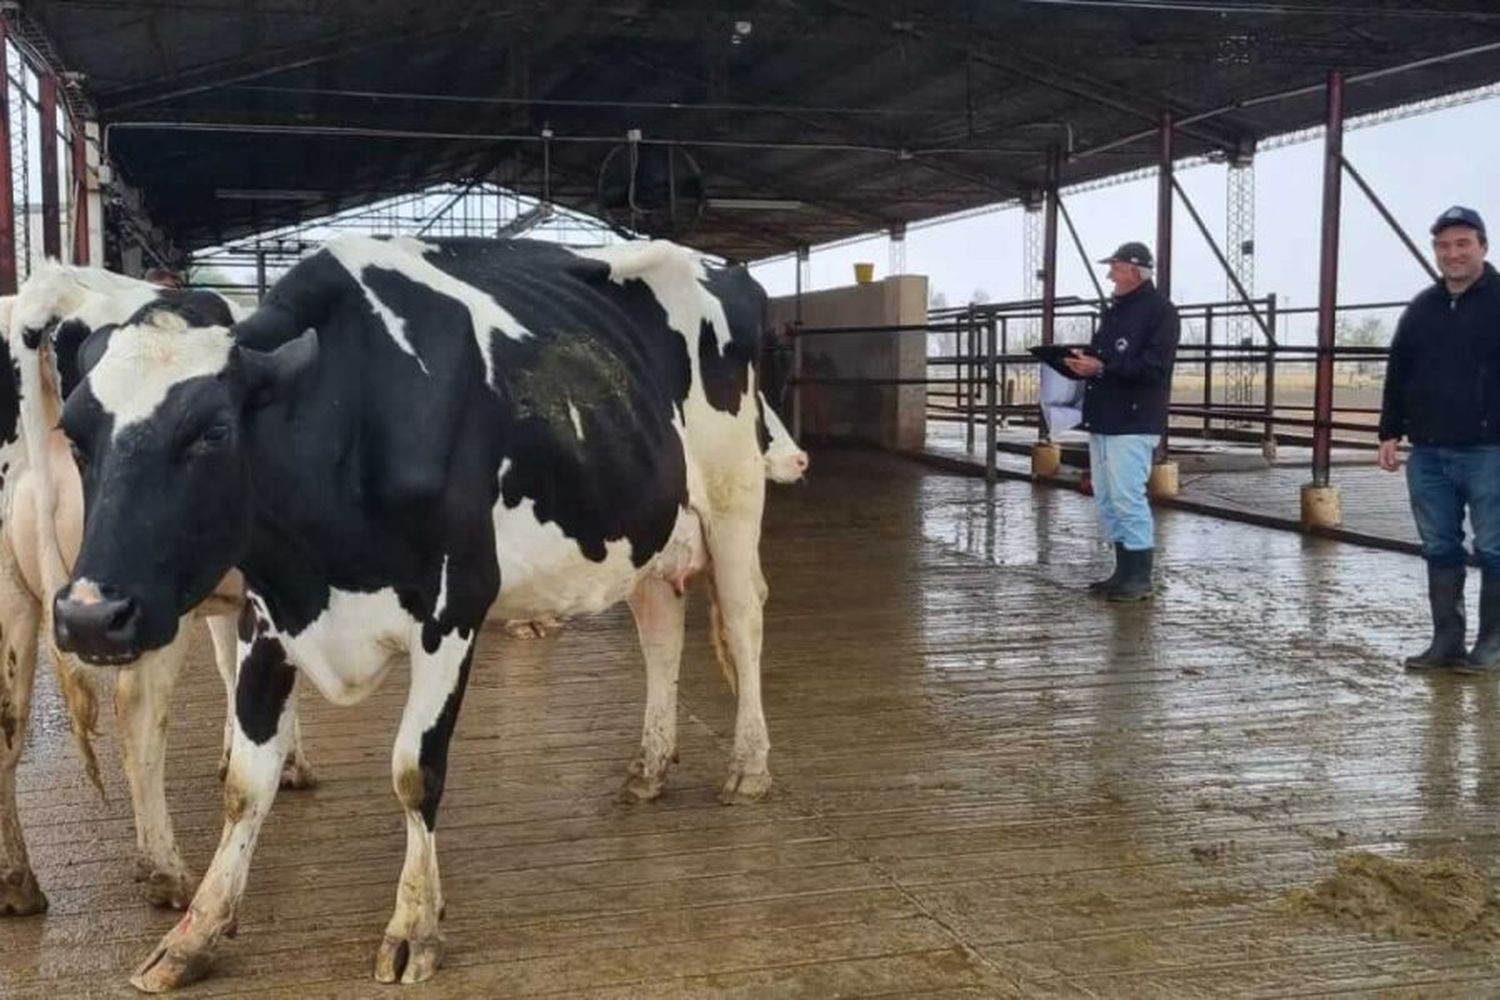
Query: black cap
x,y
1130,253
1458,215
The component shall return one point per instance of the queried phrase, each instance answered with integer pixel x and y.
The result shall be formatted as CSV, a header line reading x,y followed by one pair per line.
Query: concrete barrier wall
x,y
885,415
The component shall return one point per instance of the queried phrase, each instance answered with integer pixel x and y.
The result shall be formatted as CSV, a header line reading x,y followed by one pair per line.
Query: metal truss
x,y
1239,249
453,210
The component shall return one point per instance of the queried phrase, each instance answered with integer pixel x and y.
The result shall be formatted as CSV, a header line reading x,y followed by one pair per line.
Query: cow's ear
x,y
269,376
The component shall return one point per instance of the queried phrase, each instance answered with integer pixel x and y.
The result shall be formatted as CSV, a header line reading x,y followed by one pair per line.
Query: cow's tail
x,y
40,407
720,638
32,349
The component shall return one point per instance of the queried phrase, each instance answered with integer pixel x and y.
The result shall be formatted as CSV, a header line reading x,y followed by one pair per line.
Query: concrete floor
x,y
989,784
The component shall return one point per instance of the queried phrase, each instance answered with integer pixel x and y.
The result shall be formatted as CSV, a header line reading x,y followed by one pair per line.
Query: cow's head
x,y
158,427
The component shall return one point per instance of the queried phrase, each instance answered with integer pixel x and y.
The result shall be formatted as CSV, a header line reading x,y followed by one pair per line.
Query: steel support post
x,y
1164,209
47,140
990,431
1328,280
80,196
803,260
7,188
1208,371
1049,269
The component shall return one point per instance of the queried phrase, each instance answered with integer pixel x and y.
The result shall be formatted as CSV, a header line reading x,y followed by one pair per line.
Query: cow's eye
x,y
212,436
79,455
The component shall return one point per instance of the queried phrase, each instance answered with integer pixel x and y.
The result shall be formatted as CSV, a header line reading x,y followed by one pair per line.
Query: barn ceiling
x,y
793,121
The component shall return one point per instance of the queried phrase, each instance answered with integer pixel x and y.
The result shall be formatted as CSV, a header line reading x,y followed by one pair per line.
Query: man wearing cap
x,y
1442,393
1129,384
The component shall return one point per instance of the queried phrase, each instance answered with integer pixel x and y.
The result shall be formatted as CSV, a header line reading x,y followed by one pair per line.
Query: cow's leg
x,y
413,943
658,610
262,733
19,614
297,773
143,697
739,591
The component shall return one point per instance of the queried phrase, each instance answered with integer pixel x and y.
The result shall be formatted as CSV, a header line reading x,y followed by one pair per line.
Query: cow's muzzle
x,y
104,631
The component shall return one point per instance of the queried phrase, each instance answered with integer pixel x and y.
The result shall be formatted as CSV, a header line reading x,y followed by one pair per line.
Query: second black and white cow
x,y
403,435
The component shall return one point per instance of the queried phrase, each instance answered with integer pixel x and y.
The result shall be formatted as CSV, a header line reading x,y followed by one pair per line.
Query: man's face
x,y
1460,253
1124,276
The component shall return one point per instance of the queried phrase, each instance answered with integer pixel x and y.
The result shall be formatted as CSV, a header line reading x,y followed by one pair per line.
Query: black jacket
x,y
1442,383
1137,341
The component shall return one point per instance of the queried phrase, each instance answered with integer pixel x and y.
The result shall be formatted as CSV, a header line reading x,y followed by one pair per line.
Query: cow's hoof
x,y
536,628
20,896
170,967
169,888
298,774
742,789
408,960
640,787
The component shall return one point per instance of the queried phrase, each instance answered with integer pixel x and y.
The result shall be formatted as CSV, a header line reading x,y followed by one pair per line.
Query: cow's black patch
x,y
32,337
10,395
433,757
726,372
265,683
762,432
67,341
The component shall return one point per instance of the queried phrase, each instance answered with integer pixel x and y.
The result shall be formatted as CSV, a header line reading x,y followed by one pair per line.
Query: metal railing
x,y
979,373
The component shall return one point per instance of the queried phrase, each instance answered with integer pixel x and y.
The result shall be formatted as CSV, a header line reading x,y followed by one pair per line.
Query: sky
x,y
1418,166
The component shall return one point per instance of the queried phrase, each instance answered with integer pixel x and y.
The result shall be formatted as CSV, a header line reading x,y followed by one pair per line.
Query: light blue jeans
x,y
1120,465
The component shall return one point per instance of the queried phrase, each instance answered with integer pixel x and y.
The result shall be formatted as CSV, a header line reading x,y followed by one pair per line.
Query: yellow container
x,y
864,272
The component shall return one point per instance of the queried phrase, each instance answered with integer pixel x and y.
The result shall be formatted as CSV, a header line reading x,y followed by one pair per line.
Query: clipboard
x,y
1053,356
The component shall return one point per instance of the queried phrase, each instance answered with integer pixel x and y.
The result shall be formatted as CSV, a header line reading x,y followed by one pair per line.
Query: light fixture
x,y
268,194
757,204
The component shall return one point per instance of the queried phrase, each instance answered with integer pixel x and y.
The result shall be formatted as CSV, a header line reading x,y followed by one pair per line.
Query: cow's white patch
x,y
577,420
144,362
413,245
442,597
674,274
84,591
544,572
348,649
359,252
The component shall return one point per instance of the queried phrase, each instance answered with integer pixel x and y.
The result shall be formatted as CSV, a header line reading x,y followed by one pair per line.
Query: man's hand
x,y
1390,458
1082,365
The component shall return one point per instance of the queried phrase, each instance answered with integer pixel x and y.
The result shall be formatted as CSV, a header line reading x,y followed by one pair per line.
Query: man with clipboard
x,y
1127,388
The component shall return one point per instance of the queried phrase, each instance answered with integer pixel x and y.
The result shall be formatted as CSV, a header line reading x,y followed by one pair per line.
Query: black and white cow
x,y
54,312
402,436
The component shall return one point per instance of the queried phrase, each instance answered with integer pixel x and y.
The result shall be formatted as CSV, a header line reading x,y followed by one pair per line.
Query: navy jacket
x,y
1441,383
1137,341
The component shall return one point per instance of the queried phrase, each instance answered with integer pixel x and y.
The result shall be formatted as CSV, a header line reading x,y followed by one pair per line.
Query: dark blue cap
x,y
1130,253
1458,215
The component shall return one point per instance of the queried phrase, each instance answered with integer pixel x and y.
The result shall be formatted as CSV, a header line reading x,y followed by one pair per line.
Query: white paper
x,y
1062,400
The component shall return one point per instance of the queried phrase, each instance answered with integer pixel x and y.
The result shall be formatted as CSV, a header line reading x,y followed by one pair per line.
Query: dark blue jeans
x,y
1442,482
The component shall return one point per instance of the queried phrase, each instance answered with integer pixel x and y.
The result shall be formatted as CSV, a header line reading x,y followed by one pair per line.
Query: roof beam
x,y
301,55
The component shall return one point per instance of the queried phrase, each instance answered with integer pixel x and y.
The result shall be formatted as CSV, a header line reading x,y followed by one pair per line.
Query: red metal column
x,y
80,196
51,203
1164,209
1049,246
7,194
1328,280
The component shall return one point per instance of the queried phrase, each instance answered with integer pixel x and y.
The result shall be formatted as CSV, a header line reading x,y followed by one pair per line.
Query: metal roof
x,y
801,121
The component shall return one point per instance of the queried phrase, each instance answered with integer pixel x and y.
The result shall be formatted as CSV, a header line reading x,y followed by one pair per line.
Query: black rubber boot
x,y
1106,585
1135,582
1484,658
1445,594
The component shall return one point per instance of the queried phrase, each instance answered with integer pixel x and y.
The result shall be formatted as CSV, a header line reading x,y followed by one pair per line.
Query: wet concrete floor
x,y
989,784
